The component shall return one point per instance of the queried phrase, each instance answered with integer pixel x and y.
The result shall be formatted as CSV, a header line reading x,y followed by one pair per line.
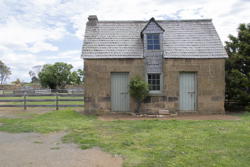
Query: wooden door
x,y
119,92
188,93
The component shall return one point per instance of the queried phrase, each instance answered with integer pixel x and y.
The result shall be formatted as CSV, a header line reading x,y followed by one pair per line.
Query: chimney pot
x,y
92,20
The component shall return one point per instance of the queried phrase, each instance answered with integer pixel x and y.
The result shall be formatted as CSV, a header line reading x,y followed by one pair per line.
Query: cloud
x,y
67,55
47,31
19,35
22,63
42,46
19,63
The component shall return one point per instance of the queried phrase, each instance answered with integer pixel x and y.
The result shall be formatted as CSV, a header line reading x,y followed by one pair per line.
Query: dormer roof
x,y
152,20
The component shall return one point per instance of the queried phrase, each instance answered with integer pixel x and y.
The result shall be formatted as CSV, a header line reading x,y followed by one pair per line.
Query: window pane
x,y
150,87
150,42
154,81
155,36
156,42
158,82
150,36
156,47
150,47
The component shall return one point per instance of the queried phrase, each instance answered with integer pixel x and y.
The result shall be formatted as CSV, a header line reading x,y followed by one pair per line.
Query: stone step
x,y
164,112
156,115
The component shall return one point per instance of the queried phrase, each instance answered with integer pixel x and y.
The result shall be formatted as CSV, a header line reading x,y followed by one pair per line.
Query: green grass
x,y
48,122
149,143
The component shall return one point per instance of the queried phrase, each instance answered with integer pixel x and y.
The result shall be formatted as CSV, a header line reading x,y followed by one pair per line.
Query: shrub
x,y
138,89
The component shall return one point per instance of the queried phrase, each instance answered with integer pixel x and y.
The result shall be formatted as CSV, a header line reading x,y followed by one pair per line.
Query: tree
x,y
238,66
17,82
33,76
56,76
80,73
138,89
4,72
77,77
34,73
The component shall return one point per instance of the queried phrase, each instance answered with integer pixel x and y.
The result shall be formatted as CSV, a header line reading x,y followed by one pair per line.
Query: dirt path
x,y
182,117
39,150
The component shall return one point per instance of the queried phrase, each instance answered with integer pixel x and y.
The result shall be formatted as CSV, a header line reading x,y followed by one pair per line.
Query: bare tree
x,y
34,73
4,72
37,69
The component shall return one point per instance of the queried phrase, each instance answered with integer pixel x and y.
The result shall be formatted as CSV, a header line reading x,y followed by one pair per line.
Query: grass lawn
x,y
149,143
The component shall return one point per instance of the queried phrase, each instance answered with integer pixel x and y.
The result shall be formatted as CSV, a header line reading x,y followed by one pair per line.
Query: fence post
x,y
24,101
57,101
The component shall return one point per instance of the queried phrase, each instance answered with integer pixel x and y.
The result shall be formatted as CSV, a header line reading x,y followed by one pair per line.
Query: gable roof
x,y
152,20
181,39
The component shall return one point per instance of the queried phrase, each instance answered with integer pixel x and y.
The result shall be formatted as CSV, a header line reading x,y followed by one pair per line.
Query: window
x,y
153,41
154,81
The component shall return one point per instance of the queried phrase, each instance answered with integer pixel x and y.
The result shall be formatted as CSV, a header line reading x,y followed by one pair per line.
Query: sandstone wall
x,y
210,80
210,85
97,84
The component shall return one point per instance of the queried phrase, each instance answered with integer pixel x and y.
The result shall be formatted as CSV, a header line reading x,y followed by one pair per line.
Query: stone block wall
x,y
210,84
97,84
210,81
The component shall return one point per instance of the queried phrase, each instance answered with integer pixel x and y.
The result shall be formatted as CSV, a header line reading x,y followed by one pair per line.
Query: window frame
x,y
161,84
153,41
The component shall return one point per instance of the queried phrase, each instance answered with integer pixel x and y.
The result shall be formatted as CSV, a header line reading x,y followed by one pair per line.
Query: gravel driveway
x,y
47,150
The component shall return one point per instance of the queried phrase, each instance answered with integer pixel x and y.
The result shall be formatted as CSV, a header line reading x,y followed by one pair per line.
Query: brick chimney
x,y
92,20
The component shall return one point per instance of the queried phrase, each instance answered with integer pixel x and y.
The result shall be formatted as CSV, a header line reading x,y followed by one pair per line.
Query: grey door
x,y
188,91
119,92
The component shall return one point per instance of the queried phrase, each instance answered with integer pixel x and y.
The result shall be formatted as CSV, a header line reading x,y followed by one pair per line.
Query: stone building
x,y
182,60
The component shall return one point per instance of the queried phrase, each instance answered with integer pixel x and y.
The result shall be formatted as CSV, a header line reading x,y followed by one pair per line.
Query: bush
x,y
138,89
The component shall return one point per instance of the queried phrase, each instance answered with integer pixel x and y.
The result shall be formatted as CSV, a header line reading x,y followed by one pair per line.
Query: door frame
x,y
195,88
129,108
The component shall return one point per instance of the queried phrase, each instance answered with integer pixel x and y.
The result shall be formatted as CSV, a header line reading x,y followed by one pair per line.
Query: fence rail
x,y
33,95
41,91
26,99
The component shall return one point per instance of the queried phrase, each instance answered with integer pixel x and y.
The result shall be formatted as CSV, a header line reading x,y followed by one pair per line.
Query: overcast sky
x,y
36,32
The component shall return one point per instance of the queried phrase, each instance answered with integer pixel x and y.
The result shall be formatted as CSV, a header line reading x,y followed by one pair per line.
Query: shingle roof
x,y
181,39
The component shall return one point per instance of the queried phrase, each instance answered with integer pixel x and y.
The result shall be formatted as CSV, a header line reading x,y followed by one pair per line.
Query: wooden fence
x,y
25,99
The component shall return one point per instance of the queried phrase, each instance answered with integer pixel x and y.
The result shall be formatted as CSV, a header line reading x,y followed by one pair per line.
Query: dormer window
x,y
153,41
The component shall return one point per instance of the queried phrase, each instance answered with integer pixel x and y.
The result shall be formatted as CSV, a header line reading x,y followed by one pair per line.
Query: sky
x,y
38,32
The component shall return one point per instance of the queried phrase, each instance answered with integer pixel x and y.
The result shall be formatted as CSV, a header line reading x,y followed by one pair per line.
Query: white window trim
x,y
153,92
159,42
